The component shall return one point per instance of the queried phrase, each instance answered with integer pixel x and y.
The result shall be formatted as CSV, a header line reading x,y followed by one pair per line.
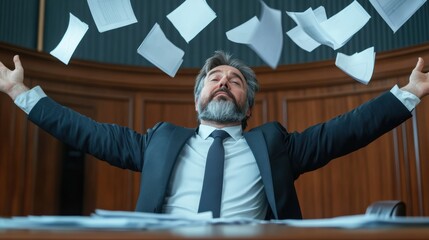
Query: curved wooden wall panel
x,y
392,167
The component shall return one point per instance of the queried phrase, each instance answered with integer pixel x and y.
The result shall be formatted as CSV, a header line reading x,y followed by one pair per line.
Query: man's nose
x,y
224,82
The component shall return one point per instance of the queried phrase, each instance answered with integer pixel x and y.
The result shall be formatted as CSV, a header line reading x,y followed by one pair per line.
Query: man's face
x,y
223,97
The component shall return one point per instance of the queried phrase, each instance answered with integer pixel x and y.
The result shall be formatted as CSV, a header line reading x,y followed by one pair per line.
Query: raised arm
x,y
419,81
118,145
12,81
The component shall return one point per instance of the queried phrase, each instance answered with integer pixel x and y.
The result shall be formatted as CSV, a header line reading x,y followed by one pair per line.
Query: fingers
x,y
17,62
420,64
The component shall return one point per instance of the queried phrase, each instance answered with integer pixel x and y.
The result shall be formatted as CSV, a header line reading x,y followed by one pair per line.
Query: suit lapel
x,y
257,144
159,167
178,138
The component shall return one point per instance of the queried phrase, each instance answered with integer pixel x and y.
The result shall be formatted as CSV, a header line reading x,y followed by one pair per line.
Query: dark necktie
x,y
211,193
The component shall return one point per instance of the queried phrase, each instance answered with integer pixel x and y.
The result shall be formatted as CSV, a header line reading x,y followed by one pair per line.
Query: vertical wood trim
x,y
41,25
407,167
130,176
397,163
417,159
284,112
265,110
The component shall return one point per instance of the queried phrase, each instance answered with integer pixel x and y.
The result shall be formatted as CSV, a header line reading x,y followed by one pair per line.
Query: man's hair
x,y
222,58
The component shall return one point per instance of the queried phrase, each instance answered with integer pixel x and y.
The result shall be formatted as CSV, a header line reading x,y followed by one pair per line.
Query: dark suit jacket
x,y
281,155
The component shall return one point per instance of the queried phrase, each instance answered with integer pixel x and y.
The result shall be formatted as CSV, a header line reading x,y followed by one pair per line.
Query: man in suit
x,y
260,165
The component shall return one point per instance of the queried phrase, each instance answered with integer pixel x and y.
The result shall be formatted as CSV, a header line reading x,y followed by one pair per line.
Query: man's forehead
x,y
226,68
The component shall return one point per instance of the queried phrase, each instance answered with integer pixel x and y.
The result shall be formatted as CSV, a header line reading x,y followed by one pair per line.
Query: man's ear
x,y
196,105
249,113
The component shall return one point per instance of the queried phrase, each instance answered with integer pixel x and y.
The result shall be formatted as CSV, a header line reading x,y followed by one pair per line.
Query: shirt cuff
x,y
408,99
27,100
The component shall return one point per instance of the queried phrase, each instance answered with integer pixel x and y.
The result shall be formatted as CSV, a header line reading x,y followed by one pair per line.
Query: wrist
x,y
412,89
16,90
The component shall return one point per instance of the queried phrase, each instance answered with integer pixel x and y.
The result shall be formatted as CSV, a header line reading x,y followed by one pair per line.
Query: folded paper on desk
x,y
117,220
358,221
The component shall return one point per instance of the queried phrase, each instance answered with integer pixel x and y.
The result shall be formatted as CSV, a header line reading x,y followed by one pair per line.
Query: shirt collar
x,y
236,132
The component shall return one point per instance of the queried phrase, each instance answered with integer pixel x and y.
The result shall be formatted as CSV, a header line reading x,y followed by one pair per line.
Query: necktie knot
x,y
222,134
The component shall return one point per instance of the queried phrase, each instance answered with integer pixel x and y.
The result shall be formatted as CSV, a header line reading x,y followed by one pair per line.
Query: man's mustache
x,y
225,90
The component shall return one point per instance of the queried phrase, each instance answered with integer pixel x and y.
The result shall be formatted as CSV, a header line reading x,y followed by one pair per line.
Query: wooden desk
x,y
270,231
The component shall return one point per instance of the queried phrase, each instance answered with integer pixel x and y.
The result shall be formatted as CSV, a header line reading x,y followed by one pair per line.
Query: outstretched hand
x,y
419,81
12,81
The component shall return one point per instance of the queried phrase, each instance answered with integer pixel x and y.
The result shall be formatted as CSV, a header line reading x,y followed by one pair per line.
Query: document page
x,y
72,37
111,14
335,31
396,12
359,66
158,50
301,38
191,17
310,24
342,26
264,36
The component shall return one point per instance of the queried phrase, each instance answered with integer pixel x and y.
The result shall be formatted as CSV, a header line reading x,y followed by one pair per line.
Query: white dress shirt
x,y
243,193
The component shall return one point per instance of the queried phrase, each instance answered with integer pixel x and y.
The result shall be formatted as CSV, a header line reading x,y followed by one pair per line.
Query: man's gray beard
x,y
221,111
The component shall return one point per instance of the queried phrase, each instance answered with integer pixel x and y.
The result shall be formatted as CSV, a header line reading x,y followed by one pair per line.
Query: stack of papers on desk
x,y
118,220
357,221
124,220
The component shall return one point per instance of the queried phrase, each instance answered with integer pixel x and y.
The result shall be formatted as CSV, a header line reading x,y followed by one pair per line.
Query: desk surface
x,y
269,231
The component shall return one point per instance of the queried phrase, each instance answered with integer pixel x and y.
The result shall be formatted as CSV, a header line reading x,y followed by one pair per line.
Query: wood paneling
x,y
422,169
12,158
394,166
354,180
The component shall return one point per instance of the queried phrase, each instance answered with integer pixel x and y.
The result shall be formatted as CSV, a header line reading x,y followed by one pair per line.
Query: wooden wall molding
x,y
324,73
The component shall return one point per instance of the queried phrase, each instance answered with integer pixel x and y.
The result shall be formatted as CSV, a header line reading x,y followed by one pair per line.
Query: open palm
x,y
10,79
419,81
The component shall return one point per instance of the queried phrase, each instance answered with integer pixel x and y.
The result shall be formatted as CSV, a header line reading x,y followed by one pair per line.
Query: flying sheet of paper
x,y
359,66
264,36
111,14
158,50
300,38
191,17
337,30
68,44
396,12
